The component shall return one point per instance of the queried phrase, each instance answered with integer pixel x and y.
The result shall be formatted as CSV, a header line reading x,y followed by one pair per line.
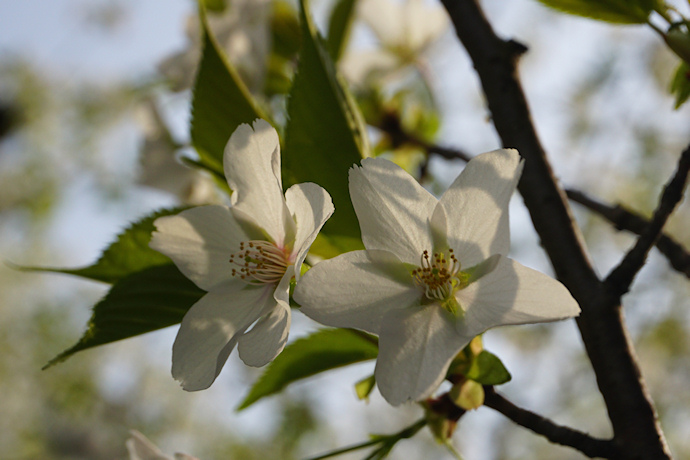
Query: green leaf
x,y
151,299
321,351
286,35
678,39
220,103
339,27
680,84
325,135
616,11
129,254
487,369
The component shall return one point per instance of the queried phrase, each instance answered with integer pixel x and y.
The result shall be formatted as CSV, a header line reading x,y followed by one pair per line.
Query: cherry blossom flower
x,y
244,256
434,273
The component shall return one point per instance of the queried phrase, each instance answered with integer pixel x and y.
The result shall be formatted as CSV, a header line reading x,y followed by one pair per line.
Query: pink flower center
x,y
259,262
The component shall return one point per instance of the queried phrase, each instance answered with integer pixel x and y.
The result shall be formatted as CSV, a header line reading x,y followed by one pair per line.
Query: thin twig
x,y
391,125
633,418
444,152
624,219
621,277
558,434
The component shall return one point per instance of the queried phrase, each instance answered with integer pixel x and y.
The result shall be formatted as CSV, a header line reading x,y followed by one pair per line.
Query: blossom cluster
x,y
433,275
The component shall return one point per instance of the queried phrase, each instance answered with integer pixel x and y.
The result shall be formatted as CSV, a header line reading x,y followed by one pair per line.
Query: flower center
x,y
259,262
439,275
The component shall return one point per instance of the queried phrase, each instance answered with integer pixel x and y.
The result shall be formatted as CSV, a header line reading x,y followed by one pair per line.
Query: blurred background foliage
x,y
82,153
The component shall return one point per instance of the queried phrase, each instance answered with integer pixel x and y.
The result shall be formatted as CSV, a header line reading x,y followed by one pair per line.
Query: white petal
x,y
476,205
513,294
424,23
385,18
199,241
356,289
311,206
416,346
358,65
268,337
252,168
140,448
392,208
210,330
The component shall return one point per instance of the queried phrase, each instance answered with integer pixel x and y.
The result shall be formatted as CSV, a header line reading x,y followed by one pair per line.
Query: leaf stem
x,y
385,440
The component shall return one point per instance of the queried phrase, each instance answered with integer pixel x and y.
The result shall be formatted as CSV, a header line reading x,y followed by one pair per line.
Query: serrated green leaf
x,y
615,11
151,299
321,351
487,369
339,27
220,102
325,135
680,84
130,253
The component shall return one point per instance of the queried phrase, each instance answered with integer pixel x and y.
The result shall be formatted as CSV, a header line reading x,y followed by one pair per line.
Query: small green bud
x,y
467,394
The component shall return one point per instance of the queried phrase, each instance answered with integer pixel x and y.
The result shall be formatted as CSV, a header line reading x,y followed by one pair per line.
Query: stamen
x,y
437,274
259,262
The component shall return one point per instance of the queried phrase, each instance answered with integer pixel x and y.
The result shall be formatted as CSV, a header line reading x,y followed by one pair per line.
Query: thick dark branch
x,y
621,277
558,434
624,219
605,337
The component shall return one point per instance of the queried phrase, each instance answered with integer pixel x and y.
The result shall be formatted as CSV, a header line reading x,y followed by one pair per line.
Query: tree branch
x,y
624,219
621,277
558,434
629,406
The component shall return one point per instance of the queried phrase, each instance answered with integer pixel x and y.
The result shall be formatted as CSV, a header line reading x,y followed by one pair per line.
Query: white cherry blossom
x,y
434,273
244,256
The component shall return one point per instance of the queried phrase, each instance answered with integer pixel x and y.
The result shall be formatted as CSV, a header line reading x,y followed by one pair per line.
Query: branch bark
x,y
621,277
624,219
601,325
557,434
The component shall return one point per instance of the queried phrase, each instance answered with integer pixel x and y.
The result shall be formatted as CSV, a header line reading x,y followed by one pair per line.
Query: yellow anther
x,y
437,276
